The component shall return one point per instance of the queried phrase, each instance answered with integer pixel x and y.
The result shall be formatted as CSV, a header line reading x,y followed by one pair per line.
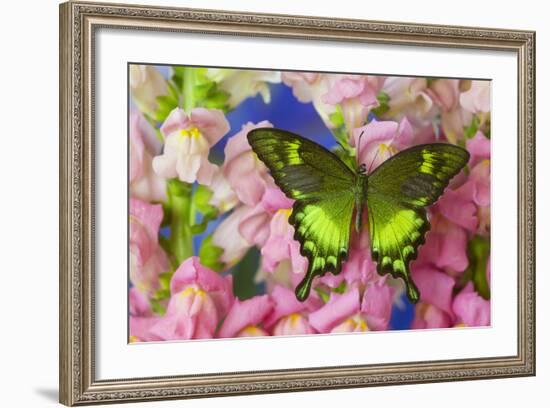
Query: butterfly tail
x,y
304,287
412,291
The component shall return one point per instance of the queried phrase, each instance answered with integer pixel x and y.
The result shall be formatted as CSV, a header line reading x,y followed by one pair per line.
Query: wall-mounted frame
x,y
97,44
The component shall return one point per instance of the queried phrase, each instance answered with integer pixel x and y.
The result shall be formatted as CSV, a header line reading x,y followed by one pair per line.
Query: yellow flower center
x,y
191,132
192,290
294,319
384,147
285,212
358,323
252,331
133,339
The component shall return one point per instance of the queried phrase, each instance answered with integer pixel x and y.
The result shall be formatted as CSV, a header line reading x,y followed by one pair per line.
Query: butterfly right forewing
x,y
398,192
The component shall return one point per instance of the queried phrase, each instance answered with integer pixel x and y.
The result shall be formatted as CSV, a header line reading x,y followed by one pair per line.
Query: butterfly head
x,y
362,169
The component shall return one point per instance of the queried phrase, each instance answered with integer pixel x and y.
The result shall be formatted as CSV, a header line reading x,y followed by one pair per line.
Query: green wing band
x,y
323,187
398,192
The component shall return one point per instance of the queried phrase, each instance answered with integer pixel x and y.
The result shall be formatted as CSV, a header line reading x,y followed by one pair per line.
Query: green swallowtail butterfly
x,y
327,192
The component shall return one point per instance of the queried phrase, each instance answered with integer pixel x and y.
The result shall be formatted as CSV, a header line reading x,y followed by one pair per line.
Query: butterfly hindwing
x,y
323,187
398,192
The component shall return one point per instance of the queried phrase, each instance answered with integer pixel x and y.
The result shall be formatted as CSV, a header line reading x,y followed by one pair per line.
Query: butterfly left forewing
x,y
323,187
398,192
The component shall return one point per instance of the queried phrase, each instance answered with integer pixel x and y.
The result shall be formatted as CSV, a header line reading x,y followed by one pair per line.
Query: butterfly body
x,y
327,193
361,188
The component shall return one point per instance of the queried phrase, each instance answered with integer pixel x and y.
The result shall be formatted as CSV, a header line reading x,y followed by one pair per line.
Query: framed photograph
x,y
256,203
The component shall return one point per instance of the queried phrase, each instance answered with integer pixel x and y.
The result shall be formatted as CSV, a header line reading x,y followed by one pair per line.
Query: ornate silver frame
x,y
78,21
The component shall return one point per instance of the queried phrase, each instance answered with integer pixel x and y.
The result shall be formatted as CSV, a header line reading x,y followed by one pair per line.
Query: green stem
x,y
181,236
153,124
180,195
188,87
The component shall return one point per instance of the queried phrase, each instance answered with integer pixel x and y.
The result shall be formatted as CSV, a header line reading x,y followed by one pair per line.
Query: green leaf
x,y
324,295
164,280
471,129
478,253
157,307
341,288
166,103
217,99
210,254
177,76
244,273
383,107
346,156
337,117
201,91
179,208
201,202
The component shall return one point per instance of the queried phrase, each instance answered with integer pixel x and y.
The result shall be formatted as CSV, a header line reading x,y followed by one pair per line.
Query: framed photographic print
x,y
260,203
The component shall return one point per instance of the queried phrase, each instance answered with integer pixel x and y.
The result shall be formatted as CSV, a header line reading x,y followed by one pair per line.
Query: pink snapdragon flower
x,y
380,140
435,286
140,329
427,316
223,196
469,205
339,314
147,259
355,94
479,148
311,87
359,269
281,245
408,98
302,84
376,304
245,318
188,138
244,83
289,316
146,84
457,207
145,184
445,93
138,303
255,223
445,246
228,237
200,299
478,98
453,123
246,174
446,96
471,309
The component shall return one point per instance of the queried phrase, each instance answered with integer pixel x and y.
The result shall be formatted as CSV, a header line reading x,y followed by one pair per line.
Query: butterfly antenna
x,y
341,145
359,142
373,160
